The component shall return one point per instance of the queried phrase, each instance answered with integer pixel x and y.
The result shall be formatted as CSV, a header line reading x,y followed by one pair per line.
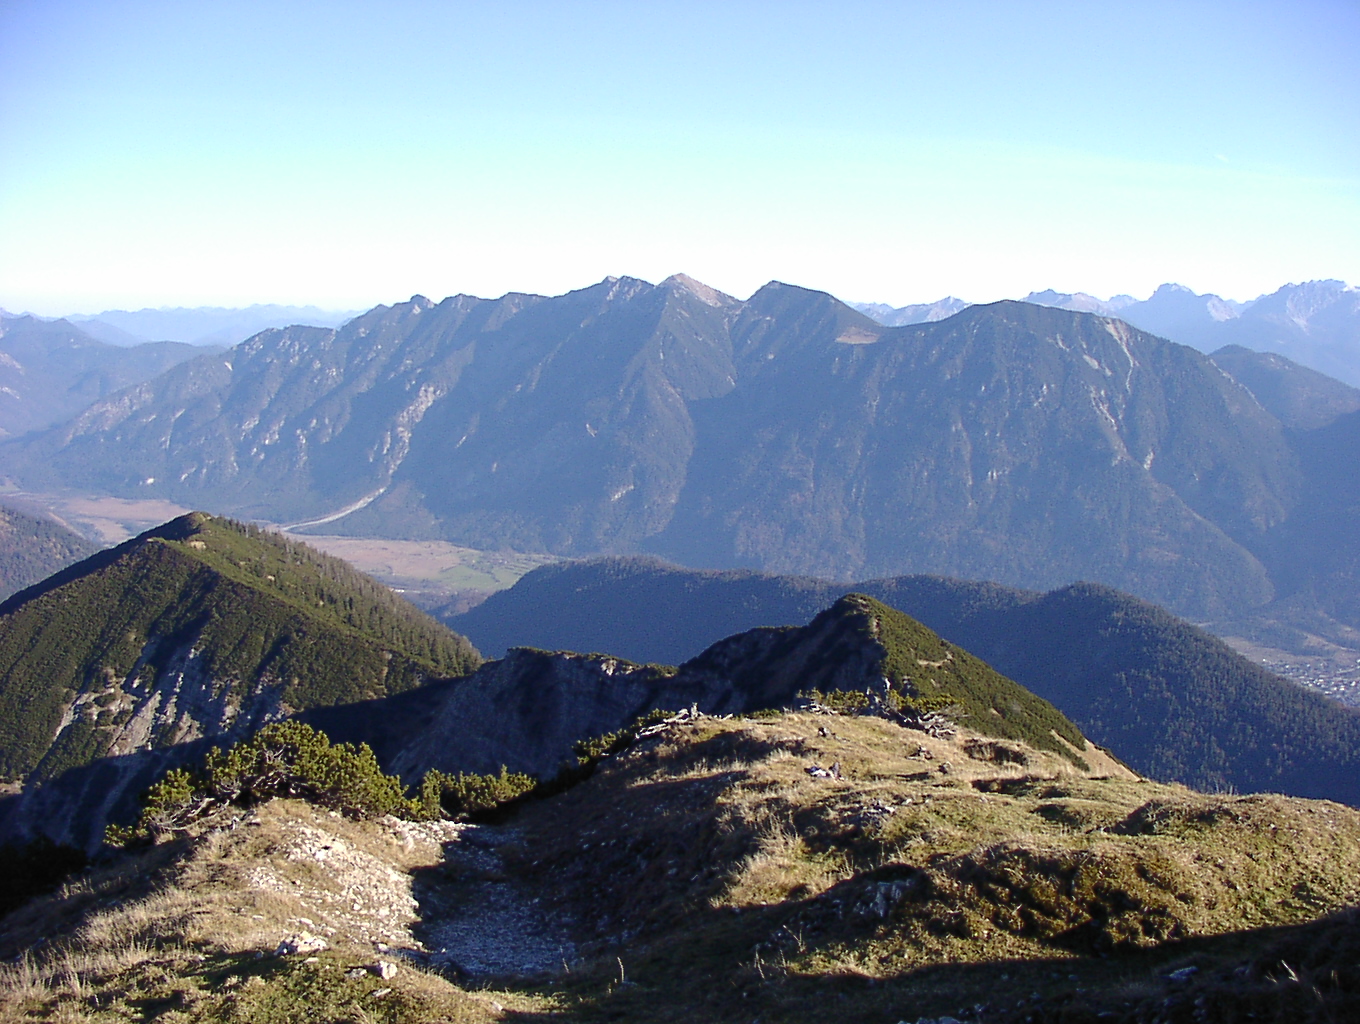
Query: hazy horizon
x,y
850,299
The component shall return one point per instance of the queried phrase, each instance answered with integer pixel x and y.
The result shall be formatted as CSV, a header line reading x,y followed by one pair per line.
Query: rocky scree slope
x,y
788,432
1171,700
527,710
192,929
717,868
199,630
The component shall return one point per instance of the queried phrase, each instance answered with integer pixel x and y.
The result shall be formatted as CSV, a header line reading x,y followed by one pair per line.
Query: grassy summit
x,y
704,874
918,661
861,644
198,627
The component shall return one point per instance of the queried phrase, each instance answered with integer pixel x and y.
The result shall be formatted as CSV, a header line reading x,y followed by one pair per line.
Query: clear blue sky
x,y
345,154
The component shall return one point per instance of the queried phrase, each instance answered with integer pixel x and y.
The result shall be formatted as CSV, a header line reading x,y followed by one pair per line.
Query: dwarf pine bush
x,y
283,759
464,796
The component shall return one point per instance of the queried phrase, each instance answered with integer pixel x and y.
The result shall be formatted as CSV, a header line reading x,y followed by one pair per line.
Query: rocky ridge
x,y
527,710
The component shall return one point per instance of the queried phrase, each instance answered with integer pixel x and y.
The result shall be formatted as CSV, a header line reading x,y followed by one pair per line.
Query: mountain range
x,y
923,817
1025,444
51,370
125,664
1315,323
201,325
128,663
858,801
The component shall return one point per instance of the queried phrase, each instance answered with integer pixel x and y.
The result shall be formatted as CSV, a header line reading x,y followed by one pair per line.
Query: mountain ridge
x,y
125,664
202,325
51,370
1314,323
788,431
527,709
1172,701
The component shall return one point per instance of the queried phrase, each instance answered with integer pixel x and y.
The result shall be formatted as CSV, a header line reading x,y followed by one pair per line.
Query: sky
x,y
344,154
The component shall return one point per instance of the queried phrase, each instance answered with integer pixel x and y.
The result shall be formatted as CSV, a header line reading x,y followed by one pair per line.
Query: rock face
x,y
135,729
528,709
1014,442
1316,323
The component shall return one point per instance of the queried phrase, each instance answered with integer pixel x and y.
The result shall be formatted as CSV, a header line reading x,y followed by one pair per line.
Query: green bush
x,y
282,759
856,702
466,796
595,748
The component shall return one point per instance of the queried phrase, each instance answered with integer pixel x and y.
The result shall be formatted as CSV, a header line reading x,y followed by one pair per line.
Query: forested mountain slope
x,y
199,629
1171,700
788,432
32,548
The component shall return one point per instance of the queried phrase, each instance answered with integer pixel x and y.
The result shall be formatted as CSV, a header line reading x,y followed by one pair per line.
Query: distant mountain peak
x,y
920,313
701,291
1079,302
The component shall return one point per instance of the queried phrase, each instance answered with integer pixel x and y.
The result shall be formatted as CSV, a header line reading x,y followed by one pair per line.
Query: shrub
x,y
594,749
282,759
466,796
890,703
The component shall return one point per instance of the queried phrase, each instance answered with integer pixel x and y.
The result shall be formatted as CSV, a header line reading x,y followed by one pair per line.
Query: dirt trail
x,y
479,921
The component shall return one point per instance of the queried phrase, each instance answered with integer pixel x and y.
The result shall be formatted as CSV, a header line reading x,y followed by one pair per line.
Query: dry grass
x,y
712,853
187,931
713,878
429,565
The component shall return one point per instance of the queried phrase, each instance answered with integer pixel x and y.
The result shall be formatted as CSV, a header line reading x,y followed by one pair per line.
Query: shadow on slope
x,y
1168,698
712,878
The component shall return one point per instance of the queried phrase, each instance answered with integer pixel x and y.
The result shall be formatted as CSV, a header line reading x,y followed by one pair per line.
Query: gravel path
x,y
479,921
